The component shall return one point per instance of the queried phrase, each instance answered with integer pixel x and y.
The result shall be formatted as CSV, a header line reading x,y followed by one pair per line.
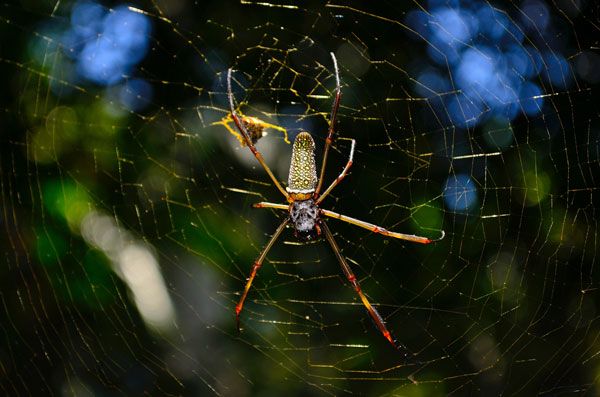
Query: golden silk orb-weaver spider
x,y
304,197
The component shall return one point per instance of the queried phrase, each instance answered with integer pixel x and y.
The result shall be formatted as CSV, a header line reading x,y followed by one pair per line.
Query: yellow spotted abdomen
x,y
303,171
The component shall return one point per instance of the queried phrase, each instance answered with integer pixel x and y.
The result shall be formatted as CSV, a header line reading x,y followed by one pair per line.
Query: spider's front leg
x,y
332,121
255,267
248,140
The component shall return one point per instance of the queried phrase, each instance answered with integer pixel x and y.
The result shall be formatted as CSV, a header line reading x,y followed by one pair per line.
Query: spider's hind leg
x,y
352,279
255,267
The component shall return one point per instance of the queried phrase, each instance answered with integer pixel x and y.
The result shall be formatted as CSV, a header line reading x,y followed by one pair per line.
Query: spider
x,y
304,198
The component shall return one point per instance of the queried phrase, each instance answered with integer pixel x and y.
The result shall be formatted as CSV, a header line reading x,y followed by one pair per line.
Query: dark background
x,y
110,153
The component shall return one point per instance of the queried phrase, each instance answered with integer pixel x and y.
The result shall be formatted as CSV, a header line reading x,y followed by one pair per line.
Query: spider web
x,y
126,199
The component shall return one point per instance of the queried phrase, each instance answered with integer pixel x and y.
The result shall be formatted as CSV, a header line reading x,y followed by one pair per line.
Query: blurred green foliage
x,y
506,304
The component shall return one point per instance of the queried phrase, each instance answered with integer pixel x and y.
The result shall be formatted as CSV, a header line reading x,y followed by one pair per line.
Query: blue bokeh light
x,y
106,45
136,94
535,15
460,193
448,3
431,83
476,69
464,111
450,25
480,54
522,62
443,52
494,23
129,32
556,69
418,21
86,19
531,102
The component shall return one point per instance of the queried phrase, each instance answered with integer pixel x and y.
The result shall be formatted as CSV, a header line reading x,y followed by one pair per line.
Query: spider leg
x,y
380,230
247,139
255,267
332,121
352,279
341,176
264,204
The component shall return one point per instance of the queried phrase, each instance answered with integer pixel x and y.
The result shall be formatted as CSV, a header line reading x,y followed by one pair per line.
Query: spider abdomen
x,y
303,172
305,218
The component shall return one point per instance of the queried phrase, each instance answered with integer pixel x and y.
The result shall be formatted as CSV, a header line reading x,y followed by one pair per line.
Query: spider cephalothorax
x,y
304,197
305,218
